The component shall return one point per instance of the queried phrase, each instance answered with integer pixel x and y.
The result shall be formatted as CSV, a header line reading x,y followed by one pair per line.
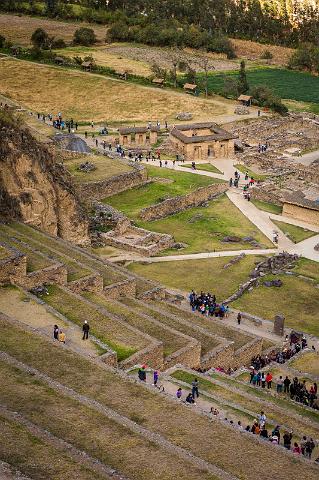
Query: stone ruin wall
x,y
301,213
182,202
111,186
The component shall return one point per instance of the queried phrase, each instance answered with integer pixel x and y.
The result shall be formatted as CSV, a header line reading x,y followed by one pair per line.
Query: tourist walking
x,y
238,318
61,337
155,377
56,332
269,380
85,328
195,388
179,393
142,373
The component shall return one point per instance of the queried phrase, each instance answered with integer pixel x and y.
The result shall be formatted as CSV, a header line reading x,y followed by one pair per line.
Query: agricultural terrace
x,y
105,167
86,96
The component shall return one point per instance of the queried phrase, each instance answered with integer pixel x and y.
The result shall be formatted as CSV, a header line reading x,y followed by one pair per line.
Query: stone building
x,y
301,207
138,136
199,141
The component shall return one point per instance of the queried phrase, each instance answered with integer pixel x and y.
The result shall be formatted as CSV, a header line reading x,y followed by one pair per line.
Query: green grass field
x,y
308,268
295,233
202,229
267,207
175,183
251,173
206,274
301,311
286,83
207,167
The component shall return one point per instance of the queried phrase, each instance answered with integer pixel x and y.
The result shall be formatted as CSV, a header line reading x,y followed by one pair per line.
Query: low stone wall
x,y
189,356
244,354
92,283
303,214
221,356
13,268
127,288
56,274
182,202
109,358
156,293
110,186
152,356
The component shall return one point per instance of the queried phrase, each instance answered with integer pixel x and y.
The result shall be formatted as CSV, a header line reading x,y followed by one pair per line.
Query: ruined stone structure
x,y
138,136
199,141
34,188
180,203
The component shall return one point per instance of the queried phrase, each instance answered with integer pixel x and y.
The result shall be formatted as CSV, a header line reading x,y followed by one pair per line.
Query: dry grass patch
x,y
158,414
91,431
87,97
253,51
105,168
308,363
37,458
19,28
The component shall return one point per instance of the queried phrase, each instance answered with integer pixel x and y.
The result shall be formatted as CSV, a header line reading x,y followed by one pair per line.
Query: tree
x,y
176,57
230,88
51,6
204,63
265,97
40,38
2,41
243,86
84,36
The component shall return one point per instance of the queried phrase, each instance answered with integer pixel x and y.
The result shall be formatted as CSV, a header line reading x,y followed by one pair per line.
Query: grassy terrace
x,y
36,458
206,167
4,252
75,271
281,417
105,168
251,173
132,201
308,268
109,274
89,430
205,274
171,342
267,395
296,234
301,312
209,324
308,362
121,339
207,343
34,261
267,207
171,420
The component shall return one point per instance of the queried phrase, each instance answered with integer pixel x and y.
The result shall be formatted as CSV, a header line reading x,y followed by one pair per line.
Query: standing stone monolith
x,y
279,324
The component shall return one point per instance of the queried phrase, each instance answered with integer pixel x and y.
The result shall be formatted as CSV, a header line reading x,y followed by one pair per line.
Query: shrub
x,y
58,43
230,88
306,57
264,97
39,38
84,36
2,41
266,55
221,44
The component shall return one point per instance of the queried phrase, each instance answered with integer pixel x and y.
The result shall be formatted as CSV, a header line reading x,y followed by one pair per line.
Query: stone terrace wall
x,y
56,274
105,188
152,356
188,356
221,356
13,268
92,283
244,354
180,203
126,288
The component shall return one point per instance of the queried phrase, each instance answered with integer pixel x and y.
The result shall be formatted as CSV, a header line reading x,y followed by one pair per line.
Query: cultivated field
x,y
87,97
19,28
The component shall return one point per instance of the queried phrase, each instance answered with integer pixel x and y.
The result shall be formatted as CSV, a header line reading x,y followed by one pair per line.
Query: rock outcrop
x,y
34,188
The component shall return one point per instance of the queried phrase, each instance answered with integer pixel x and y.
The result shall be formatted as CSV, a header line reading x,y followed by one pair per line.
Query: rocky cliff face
x,y
34,188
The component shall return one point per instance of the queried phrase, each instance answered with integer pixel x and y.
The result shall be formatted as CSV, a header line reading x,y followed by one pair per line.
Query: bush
x,y
58,43
264,97
221,44
84,36
266,55
2,41
230,89
306,57
40,38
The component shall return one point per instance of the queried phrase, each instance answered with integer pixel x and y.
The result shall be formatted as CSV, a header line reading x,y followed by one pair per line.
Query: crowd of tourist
x,y
206,304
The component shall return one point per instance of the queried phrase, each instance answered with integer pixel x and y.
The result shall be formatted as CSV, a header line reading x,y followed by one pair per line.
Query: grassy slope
x,y
87,97
308,362
267,207
301,311
207,167
154,412
295,233
251,173
308,268
206,274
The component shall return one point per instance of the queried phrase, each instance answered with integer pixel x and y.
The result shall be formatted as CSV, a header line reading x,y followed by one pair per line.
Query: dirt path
x,y
16,304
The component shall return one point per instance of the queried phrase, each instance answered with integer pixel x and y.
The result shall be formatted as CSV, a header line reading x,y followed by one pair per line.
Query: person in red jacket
x,y
268,379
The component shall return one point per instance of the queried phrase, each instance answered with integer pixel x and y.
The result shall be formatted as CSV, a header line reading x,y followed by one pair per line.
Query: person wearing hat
x,y
85,328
